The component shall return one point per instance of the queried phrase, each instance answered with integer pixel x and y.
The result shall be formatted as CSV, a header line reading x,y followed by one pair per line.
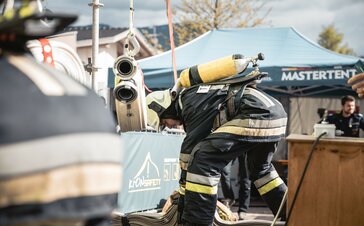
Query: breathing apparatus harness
x,y
234,89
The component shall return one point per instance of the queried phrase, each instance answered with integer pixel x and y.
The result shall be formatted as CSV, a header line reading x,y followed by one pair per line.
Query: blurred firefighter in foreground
x,y
222,121
59,153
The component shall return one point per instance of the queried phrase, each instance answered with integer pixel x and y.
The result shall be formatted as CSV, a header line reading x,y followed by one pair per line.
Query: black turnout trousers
x,y
208,159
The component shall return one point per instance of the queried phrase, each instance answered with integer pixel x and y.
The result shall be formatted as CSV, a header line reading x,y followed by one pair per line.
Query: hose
x,y
65,59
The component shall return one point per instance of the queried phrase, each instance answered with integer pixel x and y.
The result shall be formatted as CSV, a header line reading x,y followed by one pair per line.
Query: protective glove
x,y
181,206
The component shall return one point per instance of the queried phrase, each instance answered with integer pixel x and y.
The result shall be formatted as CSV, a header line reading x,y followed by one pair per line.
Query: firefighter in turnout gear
x,y
223,120
59,151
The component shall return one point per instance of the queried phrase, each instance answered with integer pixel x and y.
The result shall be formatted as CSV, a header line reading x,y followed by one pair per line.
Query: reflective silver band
x,y
257,123
179,99
211,181
259,95
267,178
47,84
254,132
51,152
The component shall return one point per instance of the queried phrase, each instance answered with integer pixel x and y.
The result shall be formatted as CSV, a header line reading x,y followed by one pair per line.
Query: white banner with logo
x,y
150,170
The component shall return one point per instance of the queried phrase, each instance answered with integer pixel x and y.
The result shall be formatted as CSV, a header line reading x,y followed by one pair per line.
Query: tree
x,y
195,17
331,39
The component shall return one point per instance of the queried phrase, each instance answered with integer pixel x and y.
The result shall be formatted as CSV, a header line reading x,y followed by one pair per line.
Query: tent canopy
x,y
290,58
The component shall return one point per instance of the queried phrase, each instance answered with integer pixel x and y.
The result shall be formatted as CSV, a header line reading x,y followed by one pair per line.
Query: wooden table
x,y
332,192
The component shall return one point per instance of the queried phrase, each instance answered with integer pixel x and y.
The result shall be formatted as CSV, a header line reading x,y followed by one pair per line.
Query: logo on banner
x,y
307,74
171,171
147,178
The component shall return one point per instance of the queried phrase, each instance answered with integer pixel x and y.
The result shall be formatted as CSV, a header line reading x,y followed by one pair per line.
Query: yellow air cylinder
x,y
209,72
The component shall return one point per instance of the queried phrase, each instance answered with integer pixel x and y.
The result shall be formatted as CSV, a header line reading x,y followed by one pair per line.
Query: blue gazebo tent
x,y
296,65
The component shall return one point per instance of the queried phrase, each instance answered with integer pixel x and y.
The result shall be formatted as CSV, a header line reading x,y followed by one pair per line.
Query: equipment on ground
x,y
168,217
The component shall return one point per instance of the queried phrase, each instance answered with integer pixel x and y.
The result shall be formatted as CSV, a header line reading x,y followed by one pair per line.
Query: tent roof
x,y
282,47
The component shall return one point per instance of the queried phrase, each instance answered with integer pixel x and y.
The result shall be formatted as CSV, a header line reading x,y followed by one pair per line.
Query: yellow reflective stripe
x,y
270,186
25,11
182,190
201,188
9,14
251,131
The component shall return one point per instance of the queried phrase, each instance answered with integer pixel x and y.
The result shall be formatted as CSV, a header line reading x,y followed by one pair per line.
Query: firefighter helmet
x,y
157,104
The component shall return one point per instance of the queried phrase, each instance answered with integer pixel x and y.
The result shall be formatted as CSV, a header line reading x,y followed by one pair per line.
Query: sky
x,y
309,17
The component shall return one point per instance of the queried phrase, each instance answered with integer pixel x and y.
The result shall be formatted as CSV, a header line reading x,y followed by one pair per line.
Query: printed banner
x,y
150,168
305,76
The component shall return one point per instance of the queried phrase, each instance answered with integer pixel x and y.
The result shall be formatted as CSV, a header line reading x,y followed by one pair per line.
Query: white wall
x,y
106,58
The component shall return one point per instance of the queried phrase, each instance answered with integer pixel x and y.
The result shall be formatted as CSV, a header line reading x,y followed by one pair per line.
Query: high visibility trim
x,y
269,177
180,104
25,11
251,131
201,188
9,14
41,78
270,186
28,156
182,190
257,123
211,181
259,95
88,179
